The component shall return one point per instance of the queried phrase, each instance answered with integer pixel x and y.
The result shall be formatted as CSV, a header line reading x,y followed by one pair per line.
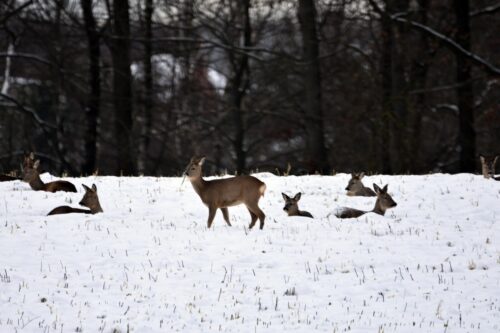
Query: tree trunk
x,y
237,91
387,103
148,90
399,90
419,71
315,154
122,86
465,95
93,101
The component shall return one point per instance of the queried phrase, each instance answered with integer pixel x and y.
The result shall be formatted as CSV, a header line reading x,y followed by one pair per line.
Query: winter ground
x,y
149,264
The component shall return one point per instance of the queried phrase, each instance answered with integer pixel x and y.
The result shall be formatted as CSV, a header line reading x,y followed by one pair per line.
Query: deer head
x,y
90,199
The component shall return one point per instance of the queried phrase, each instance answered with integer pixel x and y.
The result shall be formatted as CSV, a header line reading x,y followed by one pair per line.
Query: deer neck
x,y
199,184
36,183
95,207
378,209
486,173
293,211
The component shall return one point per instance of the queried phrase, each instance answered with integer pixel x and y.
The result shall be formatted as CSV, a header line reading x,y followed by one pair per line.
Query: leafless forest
x,y
298,86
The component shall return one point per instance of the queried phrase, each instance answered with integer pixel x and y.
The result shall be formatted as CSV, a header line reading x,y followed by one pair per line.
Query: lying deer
x,y
32,176
292,207
384,202
90,200
355,186
223,193
488,166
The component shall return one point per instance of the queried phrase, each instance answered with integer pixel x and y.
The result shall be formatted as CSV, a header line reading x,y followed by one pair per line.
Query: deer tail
x,y
262,189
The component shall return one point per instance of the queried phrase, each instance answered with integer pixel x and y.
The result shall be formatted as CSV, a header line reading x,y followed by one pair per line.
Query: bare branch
x,y
447,41
486,11
32,113
15,11
451,44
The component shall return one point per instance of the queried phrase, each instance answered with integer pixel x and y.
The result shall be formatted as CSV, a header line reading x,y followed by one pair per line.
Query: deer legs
x,y
211,215
225,213
256,212
254,218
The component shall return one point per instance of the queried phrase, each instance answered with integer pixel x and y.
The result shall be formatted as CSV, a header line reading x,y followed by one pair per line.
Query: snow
x,y
217,79
149,264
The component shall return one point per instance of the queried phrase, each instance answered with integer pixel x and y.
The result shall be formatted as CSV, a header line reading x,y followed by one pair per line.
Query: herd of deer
x,y
223,193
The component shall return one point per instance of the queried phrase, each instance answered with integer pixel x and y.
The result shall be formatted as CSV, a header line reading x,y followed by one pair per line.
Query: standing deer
x,y
292,206
384,202
355,186
90,200
32,176
223,193
488,166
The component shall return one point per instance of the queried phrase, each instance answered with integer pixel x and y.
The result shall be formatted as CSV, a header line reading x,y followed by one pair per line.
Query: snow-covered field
x,y
149,264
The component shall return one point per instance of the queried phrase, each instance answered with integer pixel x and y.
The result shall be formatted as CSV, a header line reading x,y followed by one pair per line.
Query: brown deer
x,y
32,176
355,186
28,161
223,193
488,166
384,202
292,206
90,200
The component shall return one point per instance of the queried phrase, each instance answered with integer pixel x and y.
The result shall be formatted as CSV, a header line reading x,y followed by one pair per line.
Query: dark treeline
x,y
300,86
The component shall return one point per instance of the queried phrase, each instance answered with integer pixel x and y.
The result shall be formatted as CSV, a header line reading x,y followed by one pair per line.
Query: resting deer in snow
x,y
90,200
488,165
292,207
223,193
32,176
384,202
355,186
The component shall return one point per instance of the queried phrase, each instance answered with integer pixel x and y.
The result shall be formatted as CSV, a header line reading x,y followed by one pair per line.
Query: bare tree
x,y
465,94
315,154
93,100
146,118
122,86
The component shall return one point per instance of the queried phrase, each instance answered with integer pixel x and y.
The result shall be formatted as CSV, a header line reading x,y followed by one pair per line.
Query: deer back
x,y
67,210
232,191
59,185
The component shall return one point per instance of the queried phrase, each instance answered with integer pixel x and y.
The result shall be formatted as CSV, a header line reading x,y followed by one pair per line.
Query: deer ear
x,y
94,188
86,188
201,161
482,158
353,175
495,159
385,188
32,155
286,197
361,175
36,164
376,188
297,196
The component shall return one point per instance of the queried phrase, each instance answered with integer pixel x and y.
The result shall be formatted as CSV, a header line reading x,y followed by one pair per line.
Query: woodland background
x,y
139,86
